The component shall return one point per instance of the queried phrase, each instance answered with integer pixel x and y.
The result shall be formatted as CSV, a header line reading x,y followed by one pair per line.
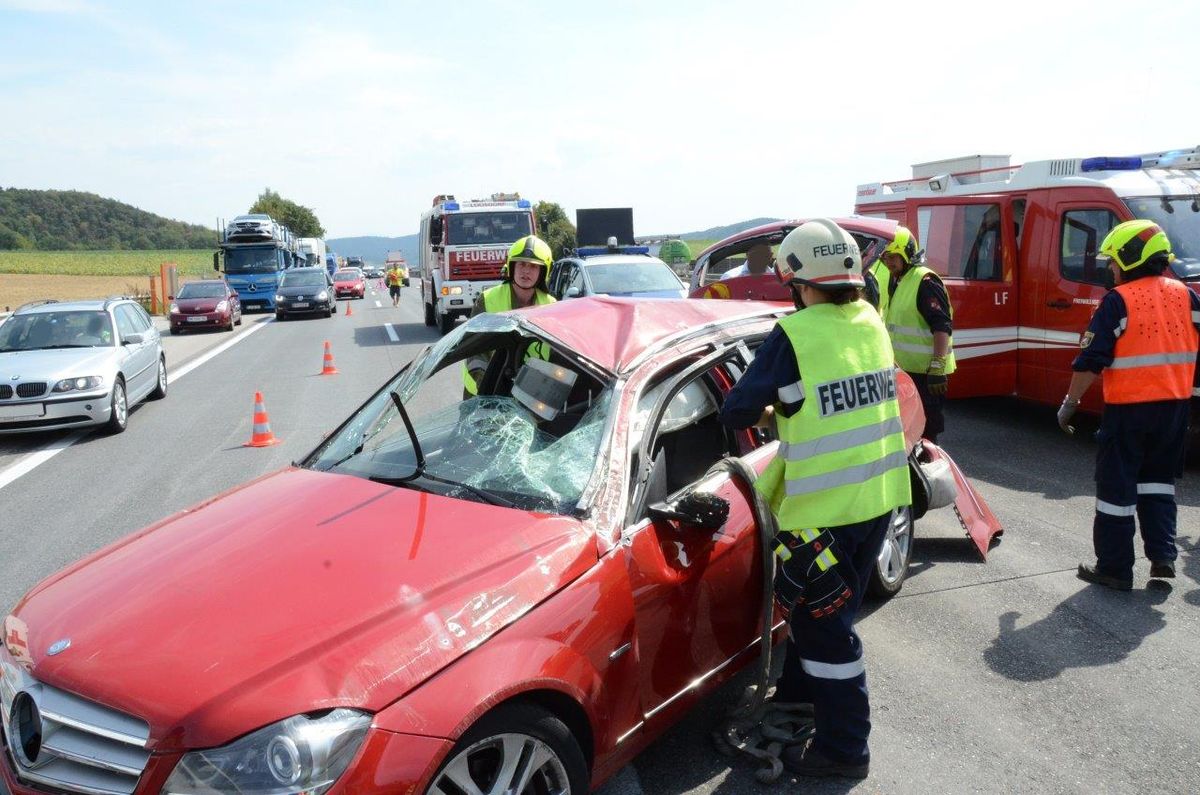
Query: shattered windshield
x,y
496,447
1179,216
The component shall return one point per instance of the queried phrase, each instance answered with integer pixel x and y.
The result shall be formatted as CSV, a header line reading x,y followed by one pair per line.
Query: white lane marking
x,y
391,331
31,461
378,304
35,459
224,346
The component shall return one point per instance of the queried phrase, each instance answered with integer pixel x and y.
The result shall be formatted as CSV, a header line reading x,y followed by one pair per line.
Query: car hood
x,y
680,293
199,304
46,365
297,592
304,289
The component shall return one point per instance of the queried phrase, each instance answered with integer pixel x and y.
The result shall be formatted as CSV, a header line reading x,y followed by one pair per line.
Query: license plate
x,y
197,318
28,411
300,305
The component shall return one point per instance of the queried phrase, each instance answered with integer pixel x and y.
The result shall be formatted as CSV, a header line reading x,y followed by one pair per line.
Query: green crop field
x,y
191,262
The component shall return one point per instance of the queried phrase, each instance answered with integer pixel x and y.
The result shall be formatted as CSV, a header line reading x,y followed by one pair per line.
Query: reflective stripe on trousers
x,y
822,670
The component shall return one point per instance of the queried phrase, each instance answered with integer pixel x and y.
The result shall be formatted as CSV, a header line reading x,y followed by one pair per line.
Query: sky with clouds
x,y
694,113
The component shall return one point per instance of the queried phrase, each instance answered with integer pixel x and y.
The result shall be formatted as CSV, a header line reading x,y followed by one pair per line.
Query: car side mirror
x,y
699,509
572,292
132,339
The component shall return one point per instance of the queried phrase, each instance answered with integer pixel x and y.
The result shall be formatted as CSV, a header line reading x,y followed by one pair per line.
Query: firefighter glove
x,y
1065,412
935,376
807,577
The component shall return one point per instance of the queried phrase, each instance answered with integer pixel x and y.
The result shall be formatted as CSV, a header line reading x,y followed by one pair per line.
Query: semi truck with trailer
x,y
252,251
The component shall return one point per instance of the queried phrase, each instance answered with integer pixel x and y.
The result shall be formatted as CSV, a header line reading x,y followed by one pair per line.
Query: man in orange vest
x,y
1146,334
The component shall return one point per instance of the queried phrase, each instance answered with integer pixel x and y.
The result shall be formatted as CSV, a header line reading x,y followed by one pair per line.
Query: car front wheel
x,y
891,567
118,418
519,749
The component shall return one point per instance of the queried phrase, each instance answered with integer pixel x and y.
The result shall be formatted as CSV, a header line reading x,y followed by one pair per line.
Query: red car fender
x,y
579,644
973,512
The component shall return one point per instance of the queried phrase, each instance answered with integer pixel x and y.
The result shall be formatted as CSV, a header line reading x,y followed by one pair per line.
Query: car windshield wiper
x,y
67,345
419,472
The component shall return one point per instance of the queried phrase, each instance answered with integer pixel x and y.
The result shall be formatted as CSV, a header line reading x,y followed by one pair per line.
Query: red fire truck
x,y
463,246
1016,246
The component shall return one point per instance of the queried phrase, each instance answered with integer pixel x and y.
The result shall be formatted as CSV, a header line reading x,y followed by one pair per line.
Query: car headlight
x,y
323,296
174,309
451,291
223,306
85,382
302,754
278,297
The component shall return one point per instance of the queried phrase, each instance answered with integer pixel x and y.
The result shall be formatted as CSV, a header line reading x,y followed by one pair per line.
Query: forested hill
x,y
69,219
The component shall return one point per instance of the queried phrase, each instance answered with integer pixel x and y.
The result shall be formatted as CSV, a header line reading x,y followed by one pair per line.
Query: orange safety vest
x,y
1155,356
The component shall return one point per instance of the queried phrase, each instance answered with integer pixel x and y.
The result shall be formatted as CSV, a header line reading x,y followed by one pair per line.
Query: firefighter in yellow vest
x,y
1145,334
826,375
919,318
524,273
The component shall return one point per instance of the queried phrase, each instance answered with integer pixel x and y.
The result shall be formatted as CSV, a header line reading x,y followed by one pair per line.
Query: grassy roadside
x,y
191,262
698,245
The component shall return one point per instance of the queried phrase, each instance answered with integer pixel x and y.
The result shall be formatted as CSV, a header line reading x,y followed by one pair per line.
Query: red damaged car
x,y
482,596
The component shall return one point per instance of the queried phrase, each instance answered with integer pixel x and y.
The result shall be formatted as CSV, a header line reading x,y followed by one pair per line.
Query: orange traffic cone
x,y
261,436
349,310
328,368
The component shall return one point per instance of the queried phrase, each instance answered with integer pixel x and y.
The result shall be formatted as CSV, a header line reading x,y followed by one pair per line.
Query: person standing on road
x,y
1146,334
919,320
826,376
524,274
394,280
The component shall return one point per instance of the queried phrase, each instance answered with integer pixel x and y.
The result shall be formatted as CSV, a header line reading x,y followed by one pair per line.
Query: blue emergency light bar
x,y
596,251
1111,164
524,204
450,205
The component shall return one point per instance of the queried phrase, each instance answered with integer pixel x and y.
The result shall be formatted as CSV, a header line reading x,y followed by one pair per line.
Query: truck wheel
x,y
446,322
891,567
429,316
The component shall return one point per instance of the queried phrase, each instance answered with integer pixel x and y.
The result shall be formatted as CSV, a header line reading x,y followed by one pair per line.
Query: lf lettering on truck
x,y
463,246
1016,247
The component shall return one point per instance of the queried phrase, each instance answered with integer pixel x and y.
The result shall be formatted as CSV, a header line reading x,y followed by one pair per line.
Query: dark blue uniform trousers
x,y
824,663
1142,448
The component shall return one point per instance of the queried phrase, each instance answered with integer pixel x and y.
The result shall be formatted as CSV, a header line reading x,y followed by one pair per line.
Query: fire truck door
x,y
1073,289
970,241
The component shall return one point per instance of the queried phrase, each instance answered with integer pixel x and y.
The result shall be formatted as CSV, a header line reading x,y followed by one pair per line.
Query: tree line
x,y
57,220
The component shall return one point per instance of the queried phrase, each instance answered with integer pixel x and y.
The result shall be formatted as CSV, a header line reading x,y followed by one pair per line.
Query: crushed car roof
x,y
613,332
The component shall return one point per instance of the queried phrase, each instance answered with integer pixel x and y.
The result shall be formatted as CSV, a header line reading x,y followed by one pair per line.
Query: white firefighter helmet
x,y
821,254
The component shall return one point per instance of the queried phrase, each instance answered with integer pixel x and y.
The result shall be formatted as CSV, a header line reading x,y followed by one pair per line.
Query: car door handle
x,y
1059,303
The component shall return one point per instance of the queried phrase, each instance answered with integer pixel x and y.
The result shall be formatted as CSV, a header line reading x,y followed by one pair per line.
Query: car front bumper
x,y
311,307
76,411
211,320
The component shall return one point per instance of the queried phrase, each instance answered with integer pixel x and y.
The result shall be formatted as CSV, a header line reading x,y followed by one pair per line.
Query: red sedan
x,y
486,596
349,283
209,303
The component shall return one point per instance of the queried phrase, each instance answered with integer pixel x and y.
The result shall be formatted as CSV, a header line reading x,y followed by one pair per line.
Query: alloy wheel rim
x,y
896,544
119,404
504,764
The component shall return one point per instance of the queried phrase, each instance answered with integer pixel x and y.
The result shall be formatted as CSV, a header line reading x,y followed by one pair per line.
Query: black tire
x,y
445,323
891,567
118,420
278,316
430,318
174,332
239,320
230,326
328,313
534,724
160,389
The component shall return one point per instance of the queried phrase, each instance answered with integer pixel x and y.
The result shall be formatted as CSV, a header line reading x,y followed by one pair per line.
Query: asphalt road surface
x,y
1004,676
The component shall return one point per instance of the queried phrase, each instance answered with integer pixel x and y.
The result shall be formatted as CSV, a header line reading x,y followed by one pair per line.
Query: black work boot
x,y
807,760
1162,570
1088,573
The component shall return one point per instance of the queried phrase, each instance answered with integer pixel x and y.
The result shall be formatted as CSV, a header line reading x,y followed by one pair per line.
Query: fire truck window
x,y
1082,232
962,240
